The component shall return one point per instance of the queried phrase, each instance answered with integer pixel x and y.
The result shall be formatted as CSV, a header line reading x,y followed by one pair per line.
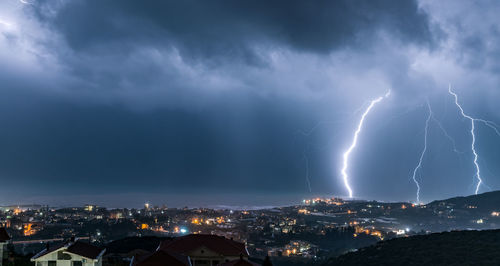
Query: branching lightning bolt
x,y
345,176
473,146
419,165
488,123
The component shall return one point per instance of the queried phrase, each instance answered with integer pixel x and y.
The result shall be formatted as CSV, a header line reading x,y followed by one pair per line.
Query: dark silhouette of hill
x,y
448,248
484,202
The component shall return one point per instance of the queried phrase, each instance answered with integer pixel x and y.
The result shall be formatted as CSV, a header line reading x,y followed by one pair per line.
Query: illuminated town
x,y
312,231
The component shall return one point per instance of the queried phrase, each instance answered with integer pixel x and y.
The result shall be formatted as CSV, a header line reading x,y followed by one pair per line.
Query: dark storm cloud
x,y
67,145
185,52
160,96
477,34
233,28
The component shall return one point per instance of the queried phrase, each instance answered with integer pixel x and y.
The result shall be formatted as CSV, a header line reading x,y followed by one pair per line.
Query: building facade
x,y
70,253
4,240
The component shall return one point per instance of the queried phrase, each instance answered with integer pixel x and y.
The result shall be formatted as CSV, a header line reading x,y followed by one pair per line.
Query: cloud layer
x,y
235,95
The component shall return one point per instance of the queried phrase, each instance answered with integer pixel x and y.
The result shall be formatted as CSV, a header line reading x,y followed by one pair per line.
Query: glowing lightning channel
x,y
473,146
308,180
345,176
490,124
452,141
419,165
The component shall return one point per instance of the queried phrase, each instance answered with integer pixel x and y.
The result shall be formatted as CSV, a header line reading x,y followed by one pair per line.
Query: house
x,y
205,249
195,250
239,262
161,257
70,253
4,239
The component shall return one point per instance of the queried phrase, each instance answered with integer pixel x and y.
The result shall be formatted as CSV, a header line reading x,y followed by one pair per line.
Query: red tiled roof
x,y
3,235
85,250
163,258
219,244
239,262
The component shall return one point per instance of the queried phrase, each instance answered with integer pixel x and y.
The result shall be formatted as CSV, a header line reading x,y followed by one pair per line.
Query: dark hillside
x,y
484,202
449,248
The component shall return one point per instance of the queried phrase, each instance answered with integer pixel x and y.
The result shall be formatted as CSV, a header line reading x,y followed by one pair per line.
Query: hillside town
x,y
312,231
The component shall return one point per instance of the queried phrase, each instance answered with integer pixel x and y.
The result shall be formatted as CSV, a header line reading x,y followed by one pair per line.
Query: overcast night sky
x,y
122,102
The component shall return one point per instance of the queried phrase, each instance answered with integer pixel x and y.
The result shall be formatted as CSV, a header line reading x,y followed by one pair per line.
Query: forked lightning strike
x,y
345,176
490,124
472,131
419,165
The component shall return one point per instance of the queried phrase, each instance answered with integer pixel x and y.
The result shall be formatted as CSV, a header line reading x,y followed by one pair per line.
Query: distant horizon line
x,y
218,206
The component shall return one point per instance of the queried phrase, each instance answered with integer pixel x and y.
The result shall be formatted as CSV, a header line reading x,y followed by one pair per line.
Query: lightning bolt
x,y
453,143
473,145
488,123
312,130
308,180
345,176
419,165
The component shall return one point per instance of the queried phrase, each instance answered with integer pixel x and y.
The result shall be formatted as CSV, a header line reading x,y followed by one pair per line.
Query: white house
x,y
71,253
4,239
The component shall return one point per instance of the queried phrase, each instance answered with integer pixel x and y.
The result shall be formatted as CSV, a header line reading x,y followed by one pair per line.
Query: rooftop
x,y
79,248
219,244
